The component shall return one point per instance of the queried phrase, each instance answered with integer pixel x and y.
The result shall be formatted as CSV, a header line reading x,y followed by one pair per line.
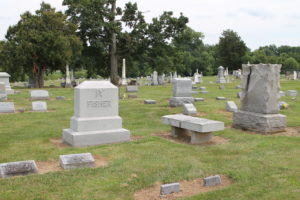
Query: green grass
x,y
262,167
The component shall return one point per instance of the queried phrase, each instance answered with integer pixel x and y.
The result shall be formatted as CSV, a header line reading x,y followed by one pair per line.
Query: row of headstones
x,y
67,162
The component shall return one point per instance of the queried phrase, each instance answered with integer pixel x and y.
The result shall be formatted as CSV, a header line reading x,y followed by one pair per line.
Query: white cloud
x,y
258,22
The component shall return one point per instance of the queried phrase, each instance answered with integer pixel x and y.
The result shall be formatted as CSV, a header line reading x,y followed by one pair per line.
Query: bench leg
x,y
178,132
200,138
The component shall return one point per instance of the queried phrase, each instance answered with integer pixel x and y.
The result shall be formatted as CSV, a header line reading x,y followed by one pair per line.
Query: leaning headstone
x,y
231,106
39,95
7,107
149,101
189,109
182,92
259,100
4,77
221,78
96,119
17,168
169,188
292,93
221,98
212,180
3,96
39,106
132,88
73,161
198,99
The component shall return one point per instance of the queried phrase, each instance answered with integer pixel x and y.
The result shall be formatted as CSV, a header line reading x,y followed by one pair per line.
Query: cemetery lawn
x,y
262,167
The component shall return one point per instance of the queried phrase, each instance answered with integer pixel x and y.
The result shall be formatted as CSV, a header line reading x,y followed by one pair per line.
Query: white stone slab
x,y
18,168
39,106
73,161
39,94
231,106
193,123
189,109
7,107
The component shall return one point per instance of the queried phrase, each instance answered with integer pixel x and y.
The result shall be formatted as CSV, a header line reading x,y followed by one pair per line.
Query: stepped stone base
x,y
262,123
91,138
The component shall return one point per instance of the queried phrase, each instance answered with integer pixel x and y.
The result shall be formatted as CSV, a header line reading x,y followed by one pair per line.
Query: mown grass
x,y
262,167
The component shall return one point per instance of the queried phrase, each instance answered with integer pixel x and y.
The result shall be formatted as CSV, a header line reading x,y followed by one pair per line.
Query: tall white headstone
x,y
4,77
96,119
221,78
295,76
124,80
68,78
155,78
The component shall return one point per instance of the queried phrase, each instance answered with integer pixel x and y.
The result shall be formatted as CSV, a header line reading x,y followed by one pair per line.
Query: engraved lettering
x,y
98,104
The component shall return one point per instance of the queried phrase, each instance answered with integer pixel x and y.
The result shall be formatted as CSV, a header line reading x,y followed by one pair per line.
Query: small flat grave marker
x,y
212,180
74,161
60,98
149,102
39,95
198,99
231,106
204,92
221,98
7,107
169,188
39,106
202,88
18,168
292,93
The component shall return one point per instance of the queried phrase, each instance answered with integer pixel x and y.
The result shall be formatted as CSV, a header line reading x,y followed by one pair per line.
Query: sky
x,y
257,22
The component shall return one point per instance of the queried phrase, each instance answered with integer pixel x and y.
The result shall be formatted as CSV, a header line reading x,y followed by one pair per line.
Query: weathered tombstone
x,y
124,80
39,106
221,78
73,161
259,100
292,93
39,95
221,98
169,188
295,76
161,79
281,93
96,119
149,101
212,180
17,168
231,106
4,77
7,107
189,109
196,78
68,78
3,95
155,78
182,92
221,87
132,88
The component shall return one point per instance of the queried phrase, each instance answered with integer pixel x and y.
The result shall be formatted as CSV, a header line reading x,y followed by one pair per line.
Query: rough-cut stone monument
x,y
182,92
259,100
221,78
96,119
4,77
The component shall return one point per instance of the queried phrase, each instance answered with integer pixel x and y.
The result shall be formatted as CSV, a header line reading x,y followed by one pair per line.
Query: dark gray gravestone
x,y
18,168
212,180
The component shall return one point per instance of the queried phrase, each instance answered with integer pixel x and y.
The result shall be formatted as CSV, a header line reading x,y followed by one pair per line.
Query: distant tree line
x,y
95,35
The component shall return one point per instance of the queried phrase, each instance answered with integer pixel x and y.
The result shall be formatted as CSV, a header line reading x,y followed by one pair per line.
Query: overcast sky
x,y
258,22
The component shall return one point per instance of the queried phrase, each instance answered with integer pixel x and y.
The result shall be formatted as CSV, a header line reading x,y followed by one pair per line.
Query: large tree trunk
x,y
113,51
38,77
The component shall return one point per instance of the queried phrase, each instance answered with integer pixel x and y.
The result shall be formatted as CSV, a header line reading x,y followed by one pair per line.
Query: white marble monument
x,y
68,78
124,80
221,78
96,119
4,77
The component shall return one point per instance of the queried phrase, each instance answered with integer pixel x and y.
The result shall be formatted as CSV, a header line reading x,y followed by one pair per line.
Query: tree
x,y
231,49
42,43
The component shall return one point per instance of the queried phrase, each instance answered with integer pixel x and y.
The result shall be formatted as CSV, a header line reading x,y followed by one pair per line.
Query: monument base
x,y
262,123
93,138
179,101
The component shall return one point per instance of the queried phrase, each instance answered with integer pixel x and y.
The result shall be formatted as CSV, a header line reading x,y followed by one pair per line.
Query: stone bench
x,y
200,129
